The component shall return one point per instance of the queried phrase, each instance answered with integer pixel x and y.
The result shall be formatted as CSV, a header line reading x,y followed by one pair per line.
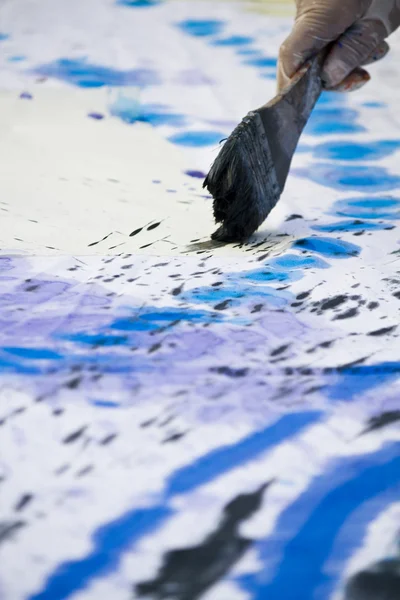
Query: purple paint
x,y
96,116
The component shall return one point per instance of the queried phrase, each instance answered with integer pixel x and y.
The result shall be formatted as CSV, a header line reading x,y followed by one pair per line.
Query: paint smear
x,y
350,178
368,208
328,247
202,27
81,73
197,139
131,111
343,150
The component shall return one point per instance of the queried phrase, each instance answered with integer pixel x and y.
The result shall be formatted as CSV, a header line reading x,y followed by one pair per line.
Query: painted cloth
x,y
180,420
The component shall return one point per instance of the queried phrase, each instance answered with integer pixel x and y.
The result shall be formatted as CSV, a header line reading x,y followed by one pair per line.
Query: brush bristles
x,y
243,182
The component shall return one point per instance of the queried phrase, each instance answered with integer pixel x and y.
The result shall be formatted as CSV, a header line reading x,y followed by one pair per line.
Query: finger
x,y
351,50
353,82
379,53
314,29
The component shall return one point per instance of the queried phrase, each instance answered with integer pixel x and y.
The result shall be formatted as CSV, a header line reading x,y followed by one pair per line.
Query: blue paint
x,y
233,40
343,150
350,177
267,75
330,117
26,96
368,208
83,74
248,52
112,540
102,340
96,116
267,274
374,105
263,61
105,404
14,366
197,139
355,381
138,3
33,353
16,58
220,461
235,291
4,36
196,174
309,526
349,226
296,261
152,320
328,247
202,27
131,111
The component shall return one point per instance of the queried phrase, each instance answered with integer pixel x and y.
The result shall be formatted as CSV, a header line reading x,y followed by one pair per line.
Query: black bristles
x,y
243,182
250,173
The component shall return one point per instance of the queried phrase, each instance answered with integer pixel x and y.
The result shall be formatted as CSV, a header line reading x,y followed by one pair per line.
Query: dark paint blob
x,y
9,529
380,582
196,174
188,573
26,96
383,420
96,116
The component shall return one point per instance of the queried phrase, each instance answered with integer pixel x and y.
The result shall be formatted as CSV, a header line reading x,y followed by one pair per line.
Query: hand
x,y
357,30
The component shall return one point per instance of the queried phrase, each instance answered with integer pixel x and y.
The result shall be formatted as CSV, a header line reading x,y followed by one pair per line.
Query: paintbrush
x,y
249,174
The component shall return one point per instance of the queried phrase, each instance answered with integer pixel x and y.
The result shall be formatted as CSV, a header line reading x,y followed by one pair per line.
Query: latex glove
x,y
357,28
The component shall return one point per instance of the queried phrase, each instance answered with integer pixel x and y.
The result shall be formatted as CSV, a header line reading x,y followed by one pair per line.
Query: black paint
x,y
380,582
383,331
186,574
383,420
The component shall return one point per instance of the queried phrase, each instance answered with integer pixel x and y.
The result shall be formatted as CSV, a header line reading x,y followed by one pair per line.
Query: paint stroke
x,y
131,111
368,207
352,151
197,139
312,522
112,540
328,247
201,27
350,178
83,74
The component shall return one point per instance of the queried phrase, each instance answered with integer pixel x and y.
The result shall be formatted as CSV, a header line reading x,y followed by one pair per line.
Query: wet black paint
x,y
188,573
380,582
383,420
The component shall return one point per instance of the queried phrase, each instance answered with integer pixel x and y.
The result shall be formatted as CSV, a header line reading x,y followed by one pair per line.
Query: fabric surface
x,y
177,419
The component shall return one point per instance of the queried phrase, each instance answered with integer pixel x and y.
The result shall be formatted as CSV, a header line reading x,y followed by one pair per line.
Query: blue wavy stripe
x,y
307,530
110,541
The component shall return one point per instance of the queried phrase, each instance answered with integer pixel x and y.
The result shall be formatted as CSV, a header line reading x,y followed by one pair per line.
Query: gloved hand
x,y
357,28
